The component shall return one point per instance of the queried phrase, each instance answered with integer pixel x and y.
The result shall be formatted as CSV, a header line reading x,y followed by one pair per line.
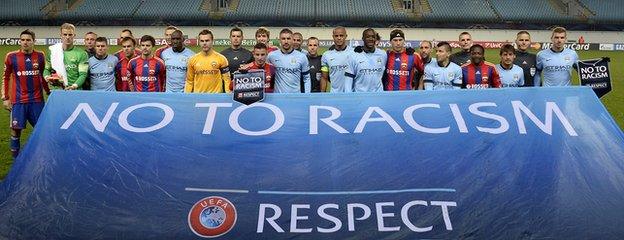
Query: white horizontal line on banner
x,y
216,190
359,192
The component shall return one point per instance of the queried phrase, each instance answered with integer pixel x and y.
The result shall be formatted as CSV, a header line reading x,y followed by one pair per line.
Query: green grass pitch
x,y
614,101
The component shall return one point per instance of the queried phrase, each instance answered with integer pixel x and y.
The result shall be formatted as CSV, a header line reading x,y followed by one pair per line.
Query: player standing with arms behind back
x,y
556,63
23,86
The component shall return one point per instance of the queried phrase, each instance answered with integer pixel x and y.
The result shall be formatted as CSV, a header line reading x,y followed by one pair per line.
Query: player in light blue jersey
x,y
556,63
176,58
290,66
443,74
334,63
102,67
367,64
511,75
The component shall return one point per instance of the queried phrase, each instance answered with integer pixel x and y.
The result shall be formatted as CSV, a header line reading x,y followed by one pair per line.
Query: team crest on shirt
x,y
152,72
484,79
110,66
184,59
293,61
516,77
451,75
214,64
403,65
379,60
35,65
14,123
567,58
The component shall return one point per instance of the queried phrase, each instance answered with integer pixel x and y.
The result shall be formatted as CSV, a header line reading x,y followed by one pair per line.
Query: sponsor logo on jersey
x,y
212,217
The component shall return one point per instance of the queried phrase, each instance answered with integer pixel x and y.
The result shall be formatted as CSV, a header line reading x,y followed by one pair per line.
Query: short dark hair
x,y
101,39
313,38
286,30
465,33
129,39
507,48
298,33
369,30
445,44
205,32
178,31
28,32
477,46
260,46
127,30
523,32
148,38
236,29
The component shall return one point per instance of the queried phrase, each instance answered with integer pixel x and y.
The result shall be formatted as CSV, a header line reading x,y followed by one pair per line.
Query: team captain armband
x,y
225,70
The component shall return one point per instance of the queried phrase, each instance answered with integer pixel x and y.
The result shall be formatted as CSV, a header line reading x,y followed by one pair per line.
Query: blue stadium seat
x,y
22,9
535,11
606,11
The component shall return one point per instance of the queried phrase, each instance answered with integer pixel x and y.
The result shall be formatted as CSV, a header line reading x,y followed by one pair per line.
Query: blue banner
x,y
530,163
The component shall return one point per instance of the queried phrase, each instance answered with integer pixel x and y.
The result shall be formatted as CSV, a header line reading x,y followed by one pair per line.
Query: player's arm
x,y
324,74
351,71
420,68
521,82
118,80
225,75
162,75
130,74
47,70
190,76
44,83
539,65
6,81
496,81
83,71
457,79
426,81
305,74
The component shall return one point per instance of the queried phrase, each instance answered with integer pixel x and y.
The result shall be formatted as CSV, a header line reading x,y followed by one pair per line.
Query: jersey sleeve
x,y
496,81
6,80
225,74
47,70
190,75
305,73
83,68
130,74
521,81
537,79
162,74
458,78
324,64
428,78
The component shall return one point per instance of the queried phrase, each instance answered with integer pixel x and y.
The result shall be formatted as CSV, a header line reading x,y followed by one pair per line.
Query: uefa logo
x,y
212,217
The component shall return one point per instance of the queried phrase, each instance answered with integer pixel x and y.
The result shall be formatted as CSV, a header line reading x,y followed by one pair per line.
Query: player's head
x,y
507,54
68,32
476,54
263,35
128,44
559,37
260,53
443,51
177,40
204,39
313,45
168,31
285,38
125,33
523,40
369,37
297,40
27,40
339,34
89,40
146,44
397,40
101,46
465,41
236,37
425,49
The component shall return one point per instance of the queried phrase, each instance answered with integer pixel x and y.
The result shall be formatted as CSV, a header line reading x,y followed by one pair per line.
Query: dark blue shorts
x,y
22,112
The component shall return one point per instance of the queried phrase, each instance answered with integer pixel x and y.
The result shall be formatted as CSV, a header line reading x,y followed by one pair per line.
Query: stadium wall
x,y
325,33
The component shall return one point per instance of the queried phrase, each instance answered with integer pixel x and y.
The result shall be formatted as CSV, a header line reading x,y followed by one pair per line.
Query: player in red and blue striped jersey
x,y
146,72
128,51
402,66
479,74
23,87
